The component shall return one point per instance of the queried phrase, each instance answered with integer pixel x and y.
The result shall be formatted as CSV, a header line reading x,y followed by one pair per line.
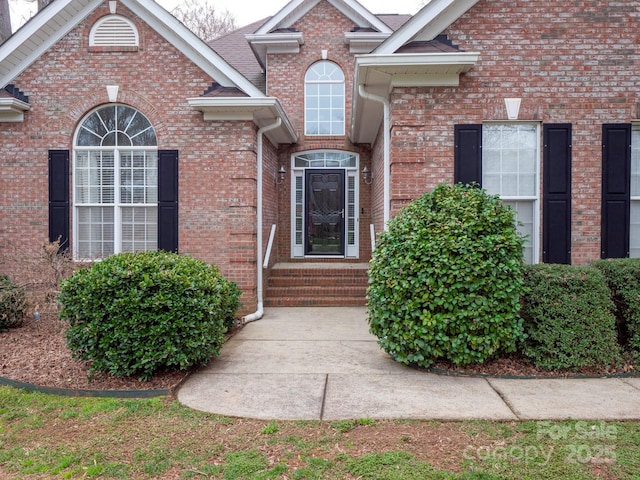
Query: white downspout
x,y
386,146
257,315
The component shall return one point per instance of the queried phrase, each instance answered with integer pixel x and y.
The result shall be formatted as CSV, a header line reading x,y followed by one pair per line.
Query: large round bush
x,y
137,313
445,279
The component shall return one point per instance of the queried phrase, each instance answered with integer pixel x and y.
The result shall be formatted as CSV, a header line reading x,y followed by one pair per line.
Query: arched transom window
x,y
115,183
324,99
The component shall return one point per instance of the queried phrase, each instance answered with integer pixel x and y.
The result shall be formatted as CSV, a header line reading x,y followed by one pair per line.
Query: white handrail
x,y
267,254
372,232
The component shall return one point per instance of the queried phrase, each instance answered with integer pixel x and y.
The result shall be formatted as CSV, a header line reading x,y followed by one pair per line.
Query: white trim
x,y
261,111
350,251
435,17
114,31
296,9
12,110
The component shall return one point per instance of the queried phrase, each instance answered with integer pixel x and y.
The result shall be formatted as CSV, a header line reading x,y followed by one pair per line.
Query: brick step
x,y
317,284
358,301
325,281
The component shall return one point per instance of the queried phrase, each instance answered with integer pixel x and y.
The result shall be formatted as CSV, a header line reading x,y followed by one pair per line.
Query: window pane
x,y
525,225
95,232
510,160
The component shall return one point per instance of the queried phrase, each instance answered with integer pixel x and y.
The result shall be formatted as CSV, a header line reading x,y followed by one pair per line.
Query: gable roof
x,y
416,55
427,24
296,9
25,46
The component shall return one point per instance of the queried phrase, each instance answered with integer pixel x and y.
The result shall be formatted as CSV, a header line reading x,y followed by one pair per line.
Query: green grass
x,y
45,436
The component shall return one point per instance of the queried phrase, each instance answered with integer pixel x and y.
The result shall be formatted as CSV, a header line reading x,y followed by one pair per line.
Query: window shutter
x,y
616,178
59,197
168,200
468,154
556,228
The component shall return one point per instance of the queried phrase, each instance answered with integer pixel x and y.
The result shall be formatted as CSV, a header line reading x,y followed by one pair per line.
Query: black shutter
x,y
168,200
468,154
616,184
59,197
556,228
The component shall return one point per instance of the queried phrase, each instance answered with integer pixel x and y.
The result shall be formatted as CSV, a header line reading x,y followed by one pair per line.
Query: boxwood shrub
x,y
623,278
445,279
13,303
138,313
568,318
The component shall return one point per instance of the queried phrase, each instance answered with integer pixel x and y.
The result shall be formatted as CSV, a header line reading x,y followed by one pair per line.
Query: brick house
x,y
278,151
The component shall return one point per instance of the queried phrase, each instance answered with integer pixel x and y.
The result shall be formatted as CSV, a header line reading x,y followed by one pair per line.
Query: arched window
x,y
113,31
324,99
115,183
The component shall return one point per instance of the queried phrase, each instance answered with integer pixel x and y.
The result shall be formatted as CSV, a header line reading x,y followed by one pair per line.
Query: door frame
x,y
341,197
297,179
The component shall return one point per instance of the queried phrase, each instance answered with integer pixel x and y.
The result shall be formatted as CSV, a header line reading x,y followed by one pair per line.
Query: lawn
x,y
44,436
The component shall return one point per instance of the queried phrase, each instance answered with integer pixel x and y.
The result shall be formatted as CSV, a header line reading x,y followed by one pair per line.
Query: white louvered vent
x,y
113,31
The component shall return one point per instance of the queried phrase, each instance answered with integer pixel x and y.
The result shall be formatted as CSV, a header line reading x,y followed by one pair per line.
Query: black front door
x,y
324,207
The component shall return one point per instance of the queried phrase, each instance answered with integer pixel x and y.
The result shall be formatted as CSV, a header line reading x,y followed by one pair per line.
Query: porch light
x,y
367,178
281,175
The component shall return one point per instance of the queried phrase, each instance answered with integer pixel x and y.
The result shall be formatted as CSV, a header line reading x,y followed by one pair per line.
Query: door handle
x,y
343,213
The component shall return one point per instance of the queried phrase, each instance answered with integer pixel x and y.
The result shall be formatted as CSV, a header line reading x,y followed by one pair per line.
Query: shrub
x,y
137,313
12,303
623,278
445,279
568,319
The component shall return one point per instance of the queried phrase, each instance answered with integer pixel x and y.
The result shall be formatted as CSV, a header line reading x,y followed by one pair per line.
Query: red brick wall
x,y
217,166
570,62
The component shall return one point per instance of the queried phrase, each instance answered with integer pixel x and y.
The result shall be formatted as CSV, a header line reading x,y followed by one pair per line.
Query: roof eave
x,y
261,111
379,74
12,110
434,18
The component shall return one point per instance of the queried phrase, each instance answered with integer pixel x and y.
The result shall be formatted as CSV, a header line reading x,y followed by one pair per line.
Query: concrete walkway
x,y
323,364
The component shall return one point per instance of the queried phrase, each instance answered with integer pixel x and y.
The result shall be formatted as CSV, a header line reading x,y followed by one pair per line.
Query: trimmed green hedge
x,y
623,278
568,318
445,279
13,303
138,313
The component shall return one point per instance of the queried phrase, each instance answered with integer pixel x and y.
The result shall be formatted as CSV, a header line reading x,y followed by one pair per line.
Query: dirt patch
x,y
37,353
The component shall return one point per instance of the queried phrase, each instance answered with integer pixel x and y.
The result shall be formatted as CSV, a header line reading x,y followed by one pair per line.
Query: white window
x,y
115,183
510,159
634,230
324,99
113,31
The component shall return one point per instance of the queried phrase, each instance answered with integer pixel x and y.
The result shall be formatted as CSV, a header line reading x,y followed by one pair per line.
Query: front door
x,y
324,207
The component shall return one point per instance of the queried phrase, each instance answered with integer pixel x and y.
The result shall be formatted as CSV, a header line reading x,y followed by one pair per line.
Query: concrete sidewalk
x,y
323,364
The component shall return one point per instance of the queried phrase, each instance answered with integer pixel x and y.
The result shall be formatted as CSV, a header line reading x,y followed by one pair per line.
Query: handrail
x,y
267,254
372,233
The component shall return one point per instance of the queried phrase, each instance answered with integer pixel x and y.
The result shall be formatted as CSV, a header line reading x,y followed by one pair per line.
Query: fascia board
x,y
191,45
356,12
12,110
14,43
288,10
429,22
259,110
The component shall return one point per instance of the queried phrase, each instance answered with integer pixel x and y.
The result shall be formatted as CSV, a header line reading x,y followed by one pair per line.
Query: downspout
x,y
386,196
257,315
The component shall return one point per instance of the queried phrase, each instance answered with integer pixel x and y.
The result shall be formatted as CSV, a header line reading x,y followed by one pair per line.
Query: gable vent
x,y
113,31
